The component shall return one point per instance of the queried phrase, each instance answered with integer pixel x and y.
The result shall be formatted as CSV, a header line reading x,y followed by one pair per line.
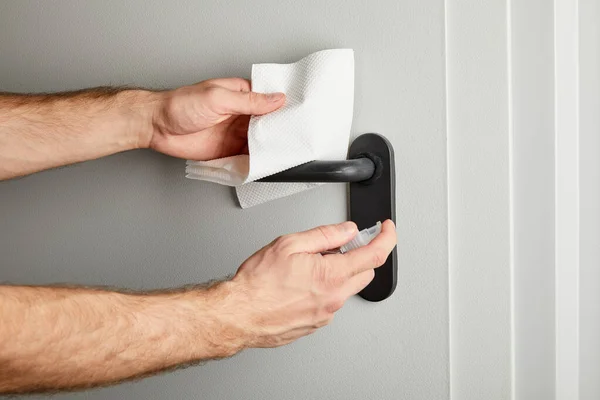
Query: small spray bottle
x,y
363,238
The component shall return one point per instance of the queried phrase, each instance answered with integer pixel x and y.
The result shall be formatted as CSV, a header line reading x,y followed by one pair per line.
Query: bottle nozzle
x,y
363,238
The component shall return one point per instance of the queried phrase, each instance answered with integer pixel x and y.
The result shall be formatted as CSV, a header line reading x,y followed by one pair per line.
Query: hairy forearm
x,y
45,131
55,338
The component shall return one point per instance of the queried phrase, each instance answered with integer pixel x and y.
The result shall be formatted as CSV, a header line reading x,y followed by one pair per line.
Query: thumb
x,y
252,103
322,238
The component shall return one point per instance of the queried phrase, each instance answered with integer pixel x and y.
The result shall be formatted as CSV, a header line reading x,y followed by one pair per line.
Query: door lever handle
x,y
370,172
355,170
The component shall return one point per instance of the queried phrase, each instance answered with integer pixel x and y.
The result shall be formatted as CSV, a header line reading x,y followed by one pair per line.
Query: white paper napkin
x,y
314,124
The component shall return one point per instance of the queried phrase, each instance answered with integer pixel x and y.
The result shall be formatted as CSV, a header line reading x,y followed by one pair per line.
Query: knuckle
x,y
324,320
321,272
277,241
320,323
328,274
212,94
253,98
242,268
283,243
334,305
336,280
379,257
325,231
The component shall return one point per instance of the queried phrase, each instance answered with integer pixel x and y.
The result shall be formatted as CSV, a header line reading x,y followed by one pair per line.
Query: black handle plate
x,y
375,200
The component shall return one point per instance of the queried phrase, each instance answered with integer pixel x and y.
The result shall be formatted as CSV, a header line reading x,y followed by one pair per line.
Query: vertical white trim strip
x,y
567,198
589,201
511,200
448,199
532,189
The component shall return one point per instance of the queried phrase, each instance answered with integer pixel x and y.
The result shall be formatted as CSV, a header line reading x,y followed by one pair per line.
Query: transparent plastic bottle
x,y
363,238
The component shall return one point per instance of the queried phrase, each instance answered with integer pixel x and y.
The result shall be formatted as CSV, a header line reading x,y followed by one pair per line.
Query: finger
x,y
321,238
250,103
235,84
367,257
356,283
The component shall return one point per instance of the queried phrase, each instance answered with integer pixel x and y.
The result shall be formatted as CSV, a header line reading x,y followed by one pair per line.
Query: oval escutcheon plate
x,y
375,200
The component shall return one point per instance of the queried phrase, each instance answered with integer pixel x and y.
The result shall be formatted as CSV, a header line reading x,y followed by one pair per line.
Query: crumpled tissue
x,y
314,124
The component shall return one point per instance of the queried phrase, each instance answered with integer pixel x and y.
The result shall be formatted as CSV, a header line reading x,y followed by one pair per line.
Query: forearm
x,y
45,131
65,338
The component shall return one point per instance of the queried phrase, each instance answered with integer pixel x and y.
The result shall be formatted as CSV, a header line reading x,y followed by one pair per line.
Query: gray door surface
x,y
133,220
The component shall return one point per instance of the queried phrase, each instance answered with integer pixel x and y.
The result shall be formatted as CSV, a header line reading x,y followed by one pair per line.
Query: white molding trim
x,y
566,39
589,200
556,198
527,253
532,196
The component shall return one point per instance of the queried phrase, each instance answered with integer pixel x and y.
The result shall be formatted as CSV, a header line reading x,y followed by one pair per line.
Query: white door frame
x,y
523,109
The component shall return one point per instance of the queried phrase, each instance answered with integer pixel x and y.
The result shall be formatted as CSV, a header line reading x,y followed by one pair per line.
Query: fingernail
x,y
274,97
347,227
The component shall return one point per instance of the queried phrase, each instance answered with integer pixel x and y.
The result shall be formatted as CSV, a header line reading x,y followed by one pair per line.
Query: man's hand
x,y
201,122
208,120
63,338
288,289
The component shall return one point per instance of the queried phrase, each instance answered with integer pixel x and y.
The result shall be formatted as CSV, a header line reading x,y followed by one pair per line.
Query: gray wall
x,y
133,220
479,199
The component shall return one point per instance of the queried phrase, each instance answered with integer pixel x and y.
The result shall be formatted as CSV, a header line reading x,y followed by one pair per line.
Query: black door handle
x,y
356,170
371,173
